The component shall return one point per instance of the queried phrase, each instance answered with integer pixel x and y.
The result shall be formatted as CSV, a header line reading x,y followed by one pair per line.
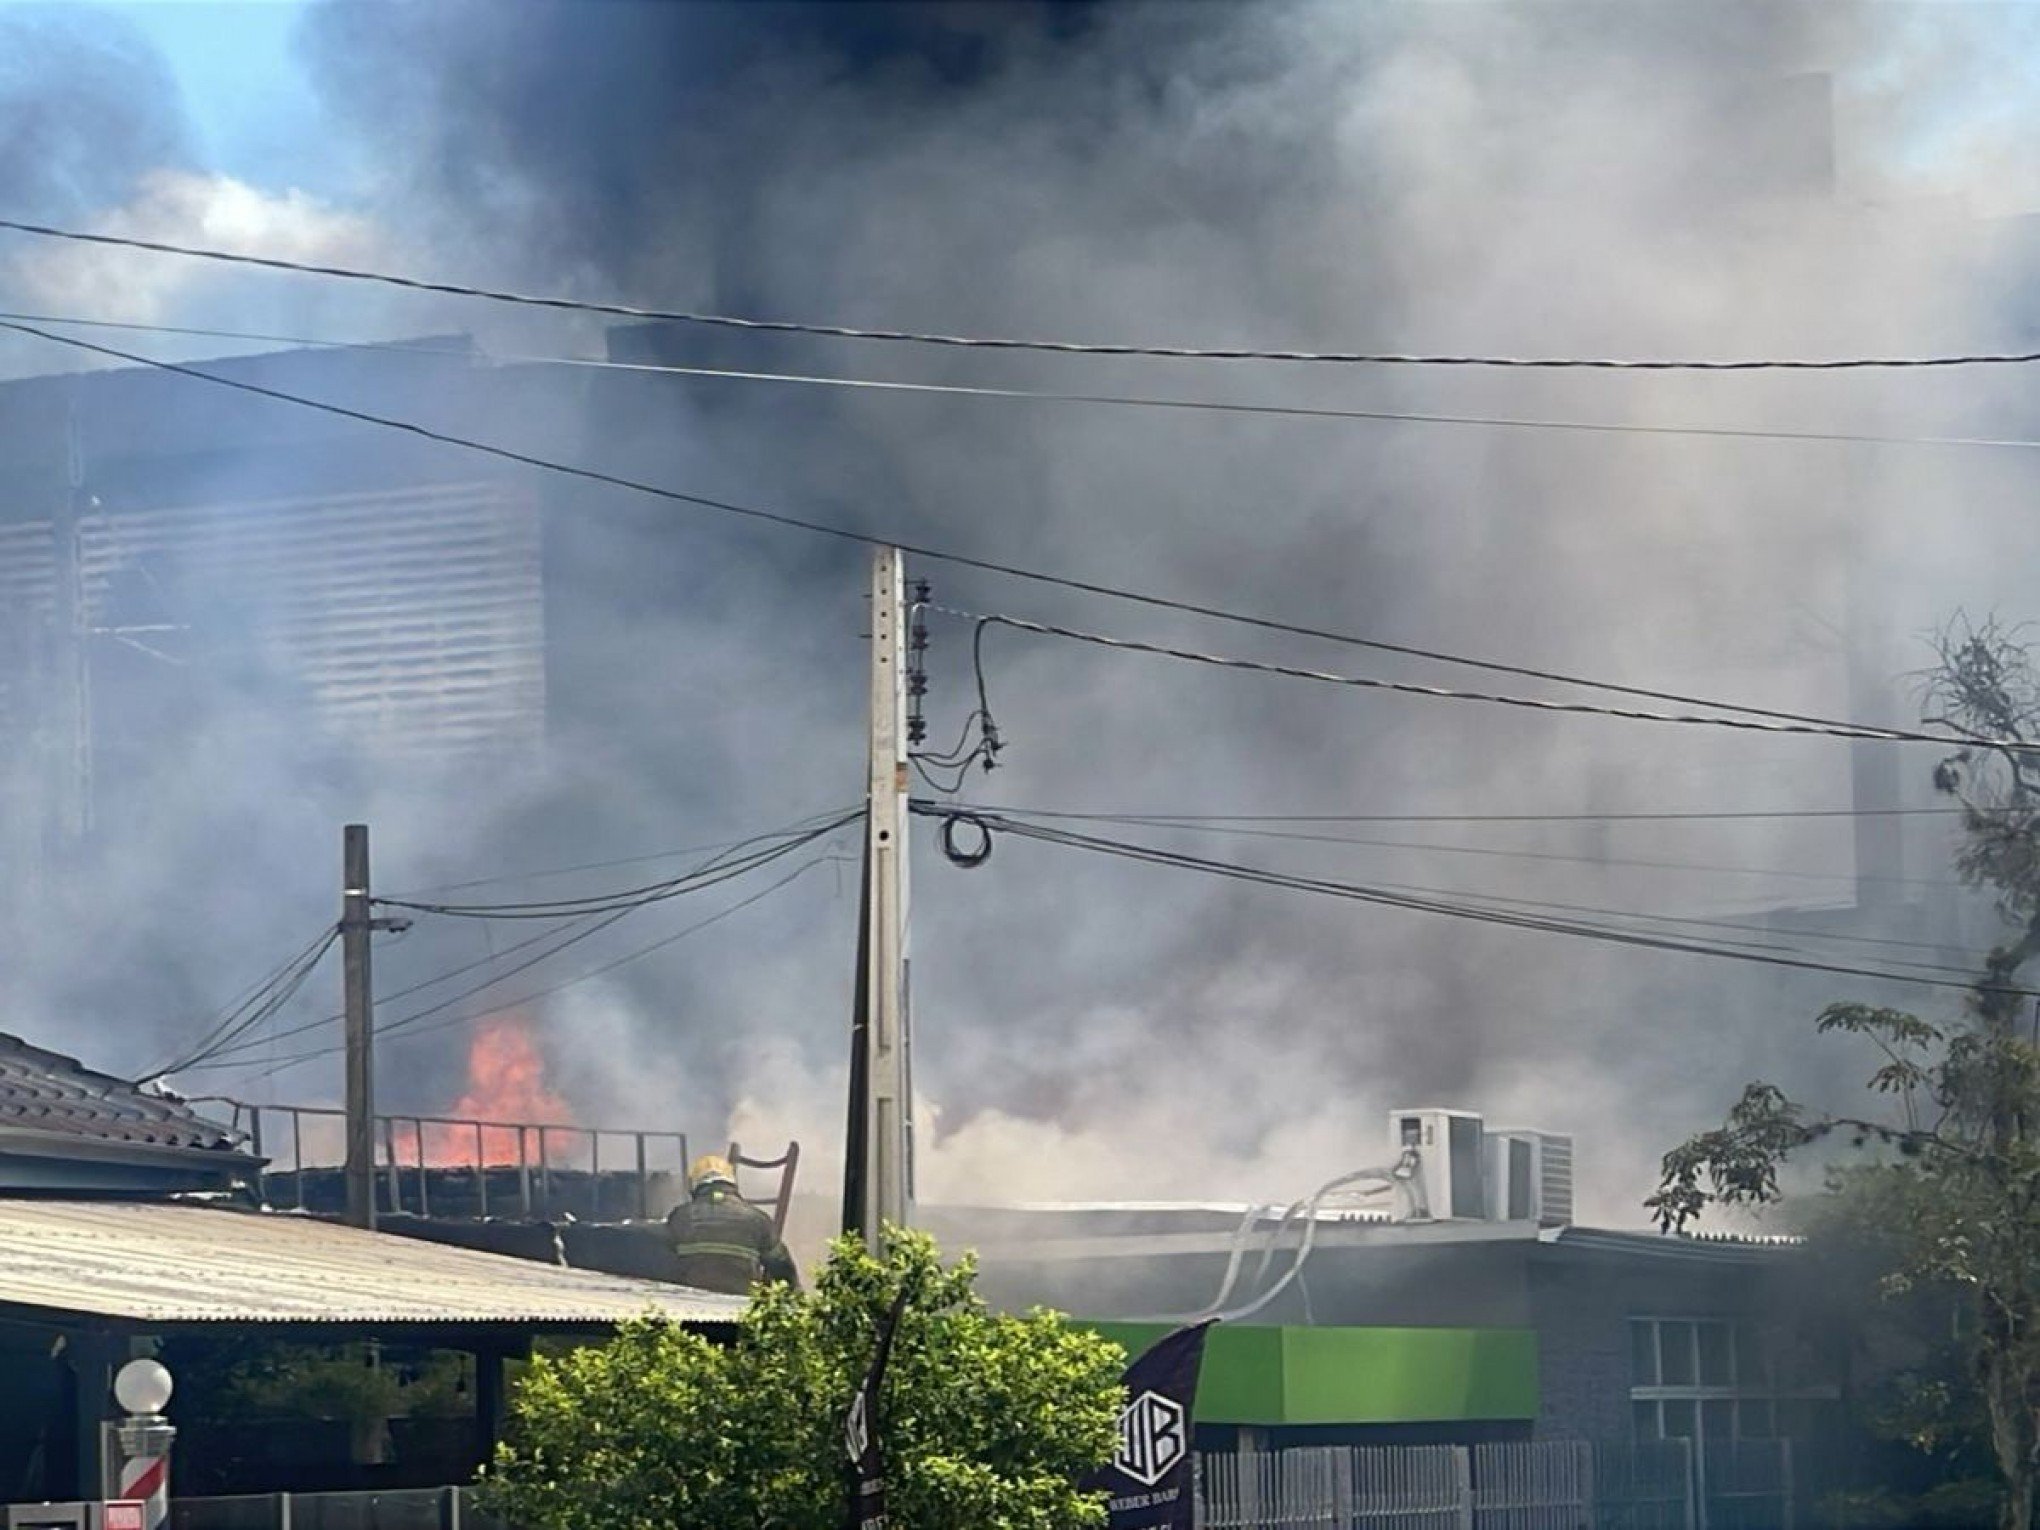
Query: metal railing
x,y
450,1508
1543,1485
532,1162
1548,1485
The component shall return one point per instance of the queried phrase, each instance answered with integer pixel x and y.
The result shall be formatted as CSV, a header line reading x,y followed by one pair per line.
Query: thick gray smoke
x,y
88,110
1555,179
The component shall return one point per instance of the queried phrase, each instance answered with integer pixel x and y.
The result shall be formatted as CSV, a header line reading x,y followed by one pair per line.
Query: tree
x,y
987,1420
1956,1160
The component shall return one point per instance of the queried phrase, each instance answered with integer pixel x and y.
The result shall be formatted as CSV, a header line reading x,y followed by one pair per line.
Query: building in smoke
x,y
1448,1297
169,548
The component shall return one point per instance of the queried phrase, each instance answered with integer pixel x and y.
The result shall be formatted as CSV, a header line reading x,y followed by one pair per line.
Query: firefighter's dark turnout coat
x,y
724,1243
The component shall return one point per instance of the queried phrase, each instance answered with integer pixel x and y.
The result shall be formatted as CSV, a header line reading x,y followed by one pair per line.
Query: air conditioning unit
x,y
1450,1170
1529,1176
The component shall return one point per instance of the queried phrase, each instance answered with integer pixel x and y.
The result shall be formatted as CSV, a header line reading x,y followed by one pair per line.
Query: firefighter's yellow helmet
x,y
710,1169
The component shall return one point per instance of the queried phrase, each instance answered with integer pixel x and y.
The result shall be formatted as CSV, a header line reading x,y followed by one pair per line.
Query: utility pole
x,y
357,923
879,1181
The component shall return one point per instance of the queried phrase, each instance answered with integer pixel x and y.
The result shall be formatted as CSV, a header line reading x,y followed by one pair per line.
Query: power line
x,y
1230,831
1708,816
387,998
625,899
543,873
1007,343
1055,396
407,1027
708,874
223,1058
914,549
1362,893
272,998
1815,727
578,923
253,995
1433,847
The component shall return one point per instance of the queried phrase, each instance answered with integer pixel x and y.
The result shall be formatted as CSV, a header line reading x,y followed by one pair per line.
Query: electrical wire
x,y
949,788
1818,728
1642,916
307,1027
951,756
1385,897
408,1024
547,872
720,869
952,814
871,539
1641,863
582,927
1741,814
251,995
272,998
1007,343
1054,396
408,1027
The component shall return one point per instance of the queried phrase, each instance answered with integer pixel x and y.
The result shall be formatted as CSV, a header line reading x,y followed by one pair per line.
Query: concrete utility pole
x,y
356,924
886,1193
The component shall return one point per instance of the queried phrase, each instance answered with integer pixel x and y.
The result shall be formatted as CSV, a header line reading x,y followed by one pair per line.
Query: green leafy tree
x,y
988,1421
1955,1166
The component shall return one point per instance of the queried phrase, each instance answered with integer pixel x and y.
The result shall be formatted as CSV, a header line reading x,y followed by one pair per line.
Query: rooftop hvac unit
x,y
1449,1167
1529,1176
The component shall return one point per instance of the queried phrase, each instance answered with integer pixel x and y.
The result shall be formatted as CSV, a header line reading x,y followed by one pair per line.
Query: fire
x,y
506,1083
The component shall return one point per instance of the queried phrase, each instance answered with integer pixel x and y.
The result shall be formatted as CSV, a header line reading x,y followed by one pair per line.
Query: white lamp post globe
x,y
142,1386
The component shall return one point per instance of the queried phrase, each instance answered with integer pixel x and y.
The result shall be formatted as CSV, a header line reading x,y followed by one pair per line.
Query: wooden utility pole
x,y
880,1185
356,924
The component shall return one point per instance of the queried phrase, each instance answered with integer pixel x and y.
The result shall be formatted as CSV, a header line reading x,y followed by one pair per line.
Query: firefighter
x,y
724,1243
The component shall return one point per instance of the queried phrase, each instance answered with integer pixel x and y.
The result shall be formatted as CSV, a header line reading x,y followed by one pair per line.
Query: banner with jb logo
x,y
1150,1479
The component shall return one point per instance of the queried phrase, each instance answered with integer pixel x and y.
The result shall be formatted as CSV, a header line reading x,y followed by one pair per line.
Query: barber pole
x,y
143,1388
146,1480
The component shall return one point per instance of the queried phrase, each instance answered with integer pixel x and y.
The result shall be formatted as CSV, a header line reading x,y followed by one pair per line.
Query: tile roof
x,y
43,1091
172,1262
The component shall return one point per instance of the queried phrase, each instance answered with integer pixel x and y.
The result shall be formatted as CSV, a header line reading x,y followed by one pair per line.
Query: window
x,y
1675,1353
1752,1367
1643,1366
1716,1355
1707,1380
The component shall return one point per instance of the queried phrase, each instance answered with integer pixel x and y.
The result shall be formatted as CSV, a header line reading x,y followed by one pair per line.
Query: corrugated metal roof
x,y
185,1263
1729,1248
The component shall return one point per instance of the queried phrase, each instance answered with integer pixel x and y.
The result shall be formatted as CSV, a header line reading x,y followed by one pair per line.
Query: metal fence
x,y
1741,1483
1533,1486
407,1509
1547,1485
1647,1487
1419,1487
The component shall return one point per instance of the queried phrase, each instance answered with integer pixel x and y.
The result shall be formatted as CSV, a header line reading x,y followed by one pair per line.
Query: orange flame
x,y
506,1083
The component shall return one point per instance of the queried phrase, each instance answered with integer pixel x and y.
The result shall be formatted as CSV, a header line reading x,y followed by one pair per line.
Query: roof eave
x,y
31,1143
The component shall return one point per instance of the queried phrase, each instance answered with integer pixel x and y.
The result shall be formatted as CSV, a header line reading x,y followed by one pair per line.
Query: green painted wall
x,y
1266,1376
